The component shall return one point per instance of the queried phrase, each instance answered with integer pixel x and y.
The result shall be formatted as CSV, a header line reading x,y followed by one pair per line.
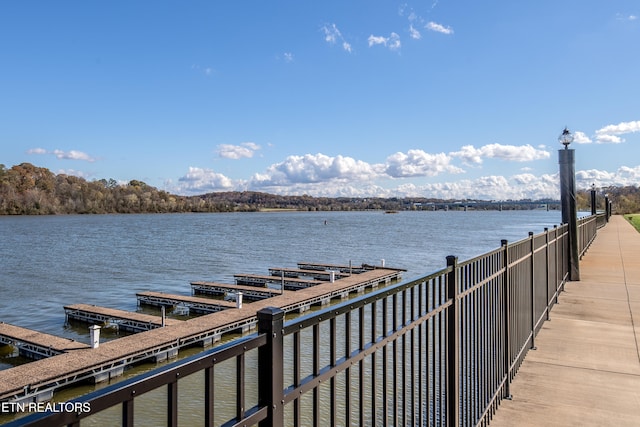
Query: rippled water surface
x,y
51,261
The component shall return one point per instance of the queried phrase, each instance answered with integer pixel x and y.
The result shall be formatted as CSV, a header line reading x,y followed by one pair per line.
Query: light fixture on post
x,y
565,138
568,200
593,199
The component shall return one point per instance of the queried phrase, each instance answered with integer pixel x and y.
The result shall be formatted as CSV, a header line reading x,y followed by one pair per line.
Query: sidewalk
x,y
586,369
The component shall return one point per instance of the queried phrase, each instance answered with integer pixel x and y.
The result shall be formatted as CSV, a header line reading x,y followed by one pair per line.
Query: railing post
x,y
453,344
506,313
533,292
271,366
556,287
547,269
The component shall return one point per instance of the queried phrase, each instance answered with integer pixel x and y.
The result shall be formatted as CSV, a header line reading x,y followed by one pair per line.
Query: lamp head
x,y
565,138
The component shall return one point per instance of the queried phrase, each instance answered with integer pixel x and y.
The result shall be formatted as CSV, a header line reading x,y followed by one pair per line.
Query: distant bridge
x,y
489,205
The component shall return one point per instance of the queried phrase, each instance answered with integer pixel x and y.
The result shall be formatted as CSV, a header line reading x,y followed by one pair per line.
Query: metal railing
x,y
439,350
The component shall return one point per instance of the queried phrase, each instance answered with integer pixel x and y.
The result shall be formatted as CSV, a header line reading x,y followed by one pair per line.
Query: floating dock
x,y
251,293
316,274
36,345
111,317
289,283
347,269
37,381
195,305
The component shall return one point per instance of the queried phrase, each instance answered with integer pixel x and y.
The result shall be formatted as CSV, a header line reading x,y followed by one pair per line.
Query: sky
x,y
436,98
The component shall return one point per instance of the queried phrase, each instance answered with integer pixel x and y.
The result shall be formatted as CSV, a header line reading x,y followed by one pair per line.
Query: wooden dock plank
x,y
10,332
187,299
291,283
355,269
296,272
251,292
114,313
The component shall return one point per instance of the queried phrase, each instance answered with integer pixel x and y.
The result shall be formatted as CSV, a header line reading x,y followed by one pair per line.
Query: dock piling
x,y
94,331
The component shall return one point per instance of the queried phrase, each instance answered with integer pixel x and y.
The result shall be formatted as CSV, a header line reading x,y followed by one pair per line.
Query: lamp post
x,y
568,200
593,198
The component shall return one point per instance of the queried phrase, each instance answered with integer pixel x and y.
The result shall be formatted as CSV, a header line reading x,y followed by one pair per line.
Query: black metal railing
x,y
439,350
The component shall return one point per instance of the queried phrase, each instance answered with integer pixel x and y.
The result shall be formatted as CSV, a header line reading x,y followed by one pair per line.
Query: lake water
x,y
48,262
51,261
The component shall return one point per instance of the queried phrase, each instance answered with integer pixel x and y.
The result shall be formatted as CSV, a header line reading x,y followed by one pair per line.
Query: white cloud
x,y
419,163
200,181
244,150
581,138
608,134
315,168
495,187
414,34
608,139
439,28
623,17
332,36
331,33
375,40
73,172
624,176
66,155
207,71
73,155
36,151
392,42
522,153
288,57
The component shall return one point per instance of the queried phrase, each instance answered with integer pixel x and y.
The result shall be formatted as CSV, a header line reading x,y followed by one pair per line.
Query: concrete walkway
x,y
586,369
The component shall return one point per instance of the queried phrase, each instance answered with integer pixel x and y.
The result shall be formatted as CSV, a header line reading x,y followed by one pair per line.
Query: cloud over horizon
x,y
66,155
244,150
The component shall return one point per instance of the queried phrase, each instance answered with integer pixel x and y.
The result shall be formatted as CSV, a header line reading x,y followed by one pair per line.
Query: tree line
x,y
26,189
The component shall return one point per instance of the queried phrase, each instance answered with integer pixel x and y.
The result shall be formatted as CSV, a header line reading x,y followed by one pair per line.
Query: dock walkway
x,y
586,369
251,293
34,344
38,380
121,319
192,304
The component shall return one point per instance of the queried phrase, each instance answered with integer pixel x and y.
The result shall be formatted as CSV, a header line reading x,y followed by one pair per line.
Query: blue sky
x,y
438,98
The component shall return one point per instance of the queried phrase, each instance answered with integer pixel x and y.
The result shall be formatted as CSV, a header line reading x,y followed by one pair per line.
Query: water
x,y
49,262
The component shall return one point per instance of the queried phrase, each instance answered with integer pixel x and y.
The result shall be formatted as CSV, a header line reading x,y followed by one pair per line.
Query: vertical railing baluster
x,y
385,349
209,398
316,372
347,371
361,345
412,359
172,403
332,381
547,269
421,350
296,376
127,413
533,291
453,344
374,370
506,313
240,395
271,366
394,360
404,359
